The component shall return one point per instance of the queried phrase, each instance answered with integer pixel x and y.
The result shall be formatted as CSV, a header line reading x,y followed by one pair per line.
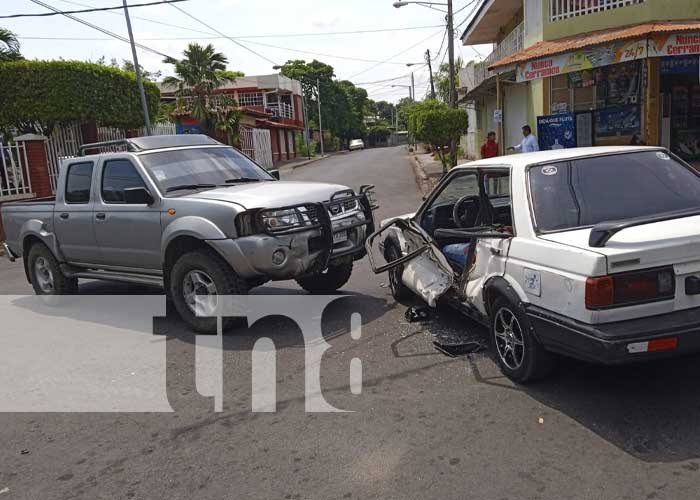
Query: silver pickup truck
x,y
189,214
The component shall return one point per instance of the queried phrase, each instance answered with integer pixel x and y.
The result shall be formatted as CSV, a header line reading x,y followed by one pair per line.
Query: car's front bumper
x,y
619,342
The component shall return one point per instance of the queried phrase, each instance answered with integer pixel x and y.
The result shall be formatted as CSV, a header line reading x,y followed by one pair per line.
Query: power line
x,y
243,37
93,9
395,55
95,27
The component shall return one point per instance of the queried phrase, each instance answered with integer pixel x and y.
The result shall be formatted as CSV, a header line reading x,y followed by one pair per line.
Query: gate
x,y
257,145
63,143
14,174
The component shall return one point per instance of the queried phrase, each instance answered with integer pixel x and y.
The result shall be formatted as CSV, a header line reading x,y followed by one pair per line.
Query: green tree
x,y
385,111
378,133
437,124
403,108
442,80
199,73
9,46
126,65
35,96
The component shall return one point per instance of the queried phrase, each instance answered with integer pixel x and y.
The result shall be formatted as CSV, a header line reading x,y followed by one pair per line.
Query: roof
x,y
274,81
575,42
523,160
486,24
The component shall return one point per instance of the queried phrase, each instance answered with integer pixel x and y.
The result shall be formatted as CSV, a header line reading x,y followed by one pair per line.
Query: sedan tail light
x,y
635,287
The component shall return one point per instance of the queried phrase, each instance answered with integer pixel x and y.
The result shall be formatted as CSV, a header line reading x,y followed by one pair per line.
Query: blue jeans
x,y
457,253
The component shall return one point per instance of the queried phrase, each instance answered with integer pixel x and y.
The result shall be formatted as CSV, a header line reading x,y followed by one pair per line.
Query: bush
x,y
438,125
301,146
37,95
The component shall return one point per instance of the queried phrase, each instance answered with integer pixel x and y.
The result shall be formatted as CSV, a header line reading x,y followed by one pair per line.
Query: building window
x,y
609,86
250,99
564,9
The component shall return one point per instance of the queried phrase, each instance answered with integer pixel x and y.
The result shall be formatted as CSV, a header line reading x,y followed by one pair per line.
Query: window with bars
x,y
250,99
564,9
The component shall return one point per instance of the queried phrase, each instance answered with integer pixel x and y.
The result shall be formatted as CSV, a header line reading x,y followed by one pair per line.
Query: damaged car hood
x,y
272,194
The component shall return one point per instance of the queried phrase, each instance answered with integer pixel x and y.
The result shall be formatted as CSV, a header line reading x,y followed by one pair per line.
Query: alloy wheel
x,y
199,292
509,338
43,275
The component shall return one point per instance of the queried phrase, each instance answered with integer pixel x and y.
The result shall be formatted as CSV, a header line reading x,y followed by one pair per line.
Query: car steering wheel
x,y
460,207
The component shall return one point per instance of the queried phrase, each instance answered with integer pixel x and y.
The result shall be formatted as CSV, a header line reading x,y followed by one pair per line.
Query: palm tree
x,y
199,74
9,46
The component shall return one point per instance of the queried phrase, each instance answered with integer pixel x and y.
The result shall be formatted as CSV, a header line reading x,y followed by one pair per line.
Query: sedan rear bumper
x,y
628,341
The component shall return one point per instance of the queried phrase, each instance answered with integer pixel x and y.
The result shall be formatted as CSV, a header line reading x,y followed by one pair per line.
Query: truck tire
x,y
196,279
520,357
399,291
46,275
328,281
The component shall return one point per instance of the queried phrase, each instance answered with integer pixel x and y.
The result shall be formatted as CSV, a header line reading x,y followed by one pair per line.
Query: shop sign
x,y
556,131
679,65
676,44
588,58
497,115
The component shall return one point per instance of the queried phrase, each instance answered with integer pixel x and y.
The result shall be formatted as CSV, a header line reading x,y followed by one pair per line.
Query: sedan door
x,y
127,232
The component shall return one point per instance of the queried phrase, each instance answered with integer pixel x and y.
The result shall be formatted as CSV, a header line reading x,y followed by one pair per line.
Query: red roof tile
x,y
571,43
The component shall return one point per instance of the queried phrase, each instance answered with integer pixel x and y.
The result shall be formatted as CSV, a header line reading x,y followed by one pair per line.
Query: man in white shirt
x,y
529,143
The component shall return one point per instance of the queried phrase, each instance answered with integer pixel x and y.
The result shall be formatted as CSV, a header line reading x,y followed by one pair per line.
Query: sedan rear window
x,y
588,191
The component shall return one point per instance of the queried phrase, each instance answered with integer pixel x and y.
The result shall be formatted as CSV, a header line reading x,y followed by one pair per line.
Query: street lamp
x,y
451,52
410,90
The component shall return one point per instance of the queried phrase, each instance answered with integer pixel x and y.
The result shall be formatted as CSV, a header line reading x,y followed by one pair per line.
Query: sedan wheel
x,y
509,339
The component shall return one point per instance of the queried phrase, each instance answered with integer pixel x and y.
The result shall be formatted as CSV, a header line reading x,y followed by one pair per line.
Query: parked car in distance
x,y
357,144
592,253
189,214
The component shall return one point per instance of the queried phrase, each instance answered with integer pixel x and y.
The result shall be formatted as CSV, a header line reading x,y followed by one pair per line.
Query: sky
x,y
264,26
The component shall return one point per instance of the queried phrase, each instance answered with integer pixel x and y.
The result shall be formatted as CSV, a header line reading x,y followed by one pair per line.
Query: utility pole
x,y
453,93
320,127
139,79
306,123
430,69
413,88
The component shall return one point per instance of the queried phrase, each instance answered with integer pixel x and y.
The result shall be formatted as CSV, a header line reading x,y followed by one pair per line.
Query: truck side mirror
x,y
138,196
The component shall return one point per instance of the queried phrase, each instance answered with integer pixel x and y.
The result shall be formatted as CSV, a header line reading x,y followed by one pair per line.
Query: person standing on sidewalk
x,y
529,143
489,149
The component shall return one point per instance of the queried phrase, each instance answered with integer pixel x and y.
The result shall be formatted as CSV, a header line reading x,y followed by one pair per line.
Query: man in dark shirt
x,y
490,148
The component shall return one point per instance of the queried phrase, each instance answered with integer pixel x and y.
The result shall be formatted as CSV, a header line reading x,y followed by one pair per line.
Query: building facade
x,y
271,103
587,72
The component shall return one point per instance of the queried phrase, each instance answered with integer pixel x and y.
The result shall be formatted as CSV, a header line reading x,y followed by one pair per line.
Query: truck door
x,y
73,216
128,231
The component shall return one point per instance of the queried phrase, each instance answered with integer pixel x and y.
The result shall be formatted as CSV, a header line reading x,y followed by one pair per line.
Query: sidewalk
x,y
428,171
300,162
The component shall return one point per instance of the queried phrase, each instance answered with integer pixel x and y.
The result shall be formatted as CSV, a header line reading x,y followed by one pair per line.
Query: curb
x,y
424,183
288,168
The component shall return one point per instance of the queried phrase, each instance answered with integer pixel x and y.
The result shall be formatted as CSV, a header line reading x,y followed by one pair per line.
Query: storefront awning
x,y
550,48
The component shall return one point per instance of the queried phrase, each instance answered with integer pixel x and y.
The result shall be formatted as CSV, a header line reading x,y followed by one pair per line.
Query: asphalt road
x,y
424,426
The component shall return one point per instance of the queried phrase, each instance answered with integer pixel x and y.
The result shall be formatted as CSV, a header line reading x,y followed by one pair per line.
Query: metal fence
x,y
14,173
63,143
564,9
256,143
512,43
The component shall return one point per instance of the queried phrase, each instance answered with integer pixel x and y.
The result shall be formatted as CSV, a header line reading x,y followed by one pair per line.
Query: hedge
x,y
54,92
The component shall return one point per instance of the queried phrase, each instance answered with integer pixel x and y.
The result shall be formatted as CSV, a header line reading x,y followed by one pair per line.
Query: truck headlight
x,y
281,220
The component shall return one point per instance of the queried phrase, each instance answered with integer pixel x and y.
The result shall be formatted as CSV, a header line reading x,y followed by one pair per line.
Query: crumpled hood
x,y
272,194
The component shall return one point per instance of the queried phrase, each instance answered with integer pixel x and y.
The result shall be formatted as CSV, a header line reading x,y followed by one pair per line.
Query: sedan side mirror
x,y
275,174
138,196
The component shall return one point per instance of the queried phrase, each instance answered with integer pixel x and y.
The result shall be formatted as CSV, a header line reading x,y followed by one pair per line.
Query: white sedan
x,y
357,144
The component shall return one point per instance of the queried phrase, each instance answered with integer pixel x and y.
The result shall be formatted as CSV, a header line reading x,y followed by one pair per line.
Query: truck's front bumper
x,y
287,256
628,341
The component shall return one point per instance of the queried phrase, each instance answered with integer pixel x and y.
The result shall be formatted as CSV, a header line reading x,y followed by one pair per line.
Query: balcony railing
x,y
280,110
512,43
564,9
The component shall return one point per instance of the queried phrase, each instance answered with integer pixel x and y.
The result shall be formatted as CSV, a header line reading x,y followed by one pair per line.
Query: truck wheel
x,y
398,290
520,357
47,278
327,281
197,280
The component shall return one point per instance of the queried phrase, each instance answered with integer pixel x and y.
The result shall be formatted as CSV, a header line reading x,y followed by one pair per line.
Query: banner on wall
x,y
556,131
676,44
588,58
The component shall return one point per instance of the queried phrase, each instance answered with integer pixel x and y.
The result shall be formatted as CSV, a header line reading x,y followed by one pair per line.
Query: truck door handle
x,y
495,251
100,216
64,216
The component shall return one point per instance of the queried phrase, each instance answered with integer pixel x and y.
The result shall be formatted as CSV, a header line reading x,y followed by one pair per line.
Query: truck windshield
x,y
214,166
588,191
